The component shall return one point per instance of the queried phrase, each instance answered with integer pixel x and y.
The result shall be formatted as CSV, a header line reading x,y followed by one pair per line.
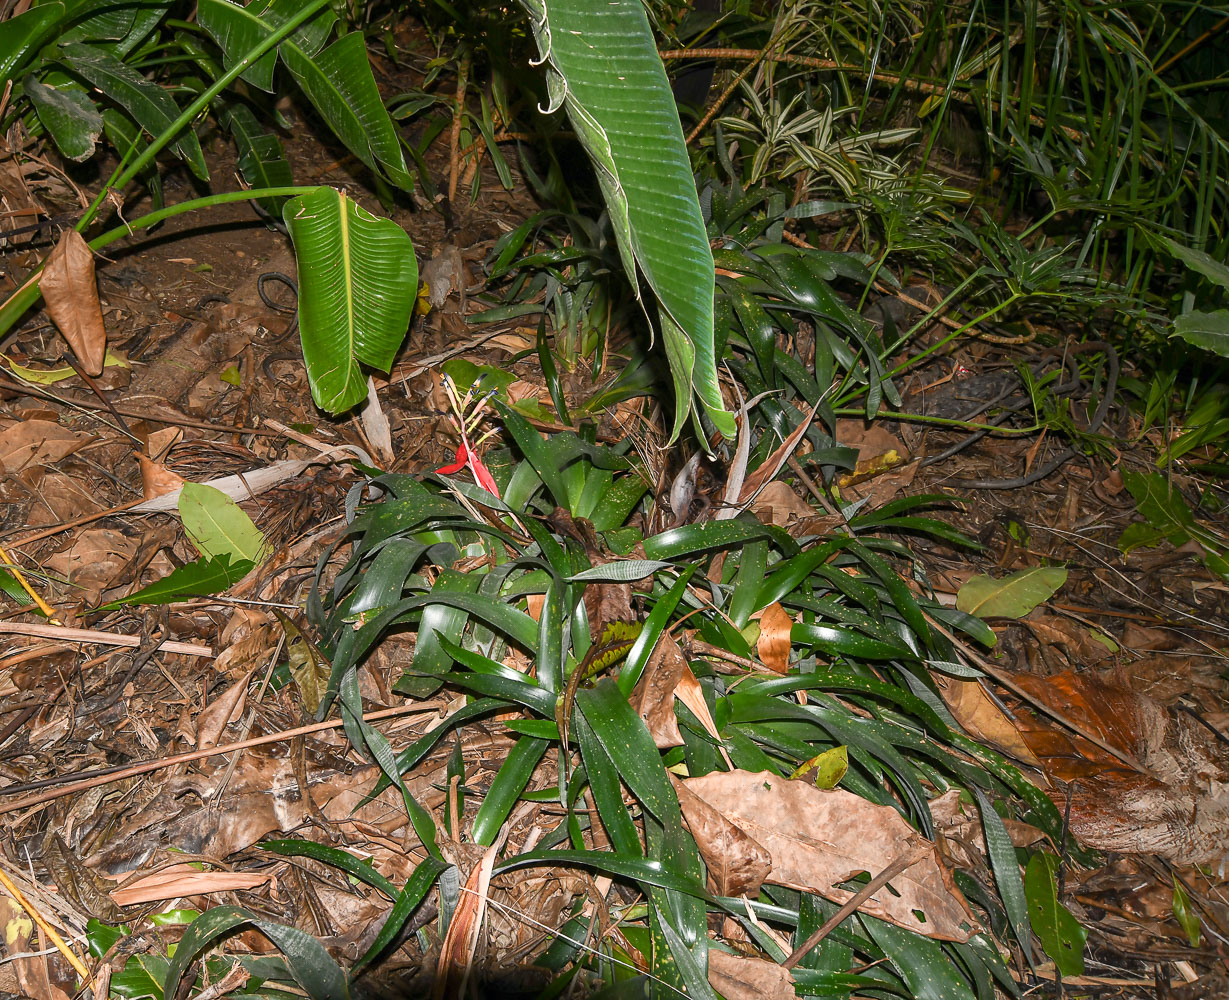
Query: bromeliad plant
x,y
571,585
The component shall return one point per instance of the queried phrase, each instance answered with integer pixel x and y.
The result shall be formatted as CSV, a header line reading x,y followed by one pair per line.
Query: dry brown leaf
x,y
778,504
185,880
376,426
881,486
60,497
92,560
1179,809
869,437
691,694
820,838
982,719
739,978
736,863
221,712
156,479
70,290
774,643
36,443
1076,639
653,697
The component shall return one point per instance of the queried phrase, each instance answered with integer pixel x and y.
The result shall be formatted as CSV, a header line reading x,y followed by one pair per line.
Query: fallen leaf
x,y
375,425
1012,596
736,863
1179,809
70,290
981,717
50,376
37,443
156,479
820,838
653,697
309,667
93,560
778,504
738,978
221,712
773,644
185,880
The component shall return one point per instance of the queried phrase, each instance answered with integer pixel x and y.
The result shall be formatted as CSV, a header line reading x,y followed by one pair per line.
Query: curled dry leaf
x,y
736,863
773,645
653,697
185,880
778,504
70,290
738,978
93,560
221,712
981,717
820,838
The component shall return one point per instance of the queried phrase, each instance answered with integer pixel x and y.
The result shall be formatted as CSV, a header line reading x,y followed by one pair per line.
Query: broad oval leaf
x,y
1013,596
357,279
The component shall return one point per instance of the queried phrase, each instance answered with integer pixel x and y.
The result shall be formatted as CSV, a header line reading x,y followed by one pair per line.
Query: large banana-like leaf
x,y
150,106
337,80
357,279
604,69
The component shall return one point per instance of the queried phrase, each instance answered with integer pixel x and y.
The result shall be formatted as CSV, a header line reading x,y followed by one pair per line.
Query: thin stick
x,y
45,927
863,894
104,638
186,758
14,569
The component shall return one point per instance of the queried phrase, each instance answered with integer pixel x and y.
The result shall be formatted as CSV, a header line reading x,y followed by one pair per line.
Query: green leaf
x,y
10,586
149,105
1198,261
1006,872
24,34
1209,330
1013,596
310,964
408,900
604,69
360,868
217,525
337,80
210,575
1187,918
921,962
511,780
357,278
68,115
262,160
1061,935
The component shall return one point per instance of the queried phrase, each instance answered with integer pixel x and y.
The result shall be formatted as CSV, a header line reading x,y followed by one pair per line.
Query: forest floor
x,y
211,384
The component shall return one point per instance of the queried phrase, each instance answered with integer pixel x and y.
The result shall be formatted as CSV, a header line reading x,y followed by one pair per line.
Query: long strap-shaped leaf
x,y
357,278
604,69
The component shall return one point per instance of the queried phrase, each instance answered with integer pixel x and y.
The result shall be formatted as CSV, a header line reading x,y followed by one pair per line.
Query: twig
x,y
874,885
454,136
104,638
718,104
186,758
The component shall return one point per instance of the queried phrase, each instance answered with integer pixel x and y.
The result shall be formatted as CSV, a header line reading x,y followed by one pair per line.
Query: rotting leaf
x,y
309,667
819,839
70,289
653,697
773,644
829,767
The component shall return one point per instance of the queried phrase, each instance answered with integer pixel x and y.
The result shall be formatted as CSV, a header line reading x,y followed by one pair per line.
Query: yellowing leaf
x,y
50,376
